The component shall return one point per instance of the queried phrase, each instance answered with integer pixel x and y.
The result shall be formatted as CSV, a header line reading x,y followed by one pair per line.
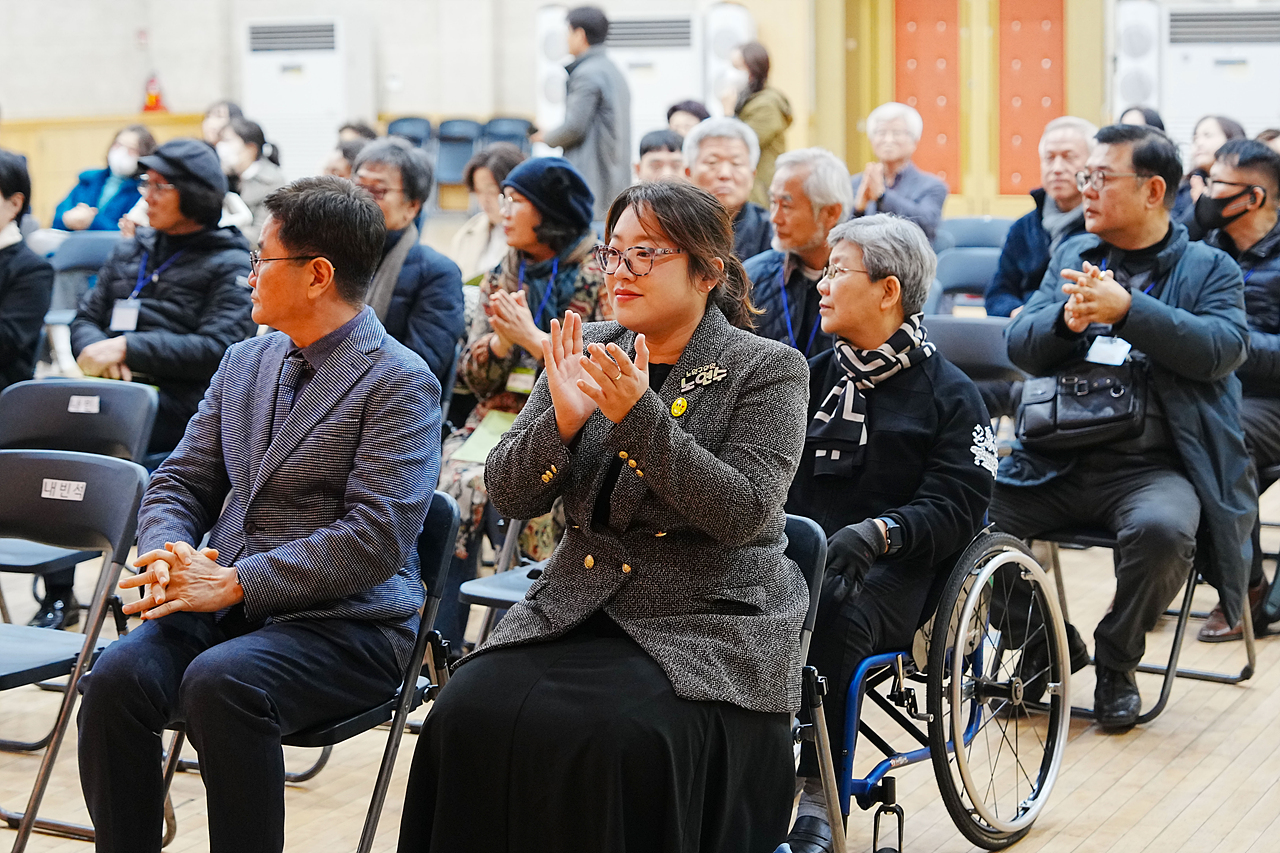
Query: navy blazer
x,y
321,521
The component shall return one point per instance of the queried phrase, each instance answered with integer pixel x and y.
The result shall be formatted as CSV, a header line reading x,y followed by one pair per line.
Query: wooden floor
x,y
1203,777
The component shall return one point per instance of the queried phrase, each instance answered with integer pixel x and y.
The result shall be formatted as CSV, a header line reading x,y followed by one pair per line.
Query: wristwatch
x,y
892,535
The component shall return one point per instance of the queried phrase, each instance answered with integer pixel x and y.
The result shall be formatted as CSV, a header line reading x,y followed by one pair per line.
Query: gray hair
x,y
828,180
415,169
1085,128
892,245
721,128
894,110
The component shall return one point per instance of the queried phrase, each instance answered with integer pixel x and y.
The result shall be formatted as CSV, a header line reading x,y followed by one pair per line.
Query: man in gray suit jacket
x,y
310,464
596,134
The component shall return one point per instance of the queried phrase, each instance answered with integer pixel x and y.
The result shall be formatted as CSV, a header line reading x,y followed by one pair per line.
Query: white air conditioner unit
x,y
665,58
301,82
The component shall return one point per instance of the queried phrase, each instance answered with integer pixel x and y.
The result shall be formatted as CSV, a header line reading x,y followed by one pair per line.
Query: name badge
x,y
1108,350
124,315
520,380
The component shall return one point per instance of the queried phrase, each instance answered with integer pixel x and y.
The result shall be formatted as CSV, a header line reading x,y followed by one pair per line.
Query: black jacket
x,y
26,287
929,462
186,321
1023,261
427,312
752,231
1260,263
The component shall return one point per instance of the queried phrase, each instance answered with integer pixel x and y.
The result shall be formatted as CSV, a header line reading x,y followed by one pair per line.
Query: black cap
x,y
555,188
190,159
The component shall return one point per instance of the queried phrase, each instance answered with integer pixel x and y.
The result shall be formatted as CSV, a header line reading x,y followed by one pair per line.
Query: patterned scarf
x,y
838,431
537,278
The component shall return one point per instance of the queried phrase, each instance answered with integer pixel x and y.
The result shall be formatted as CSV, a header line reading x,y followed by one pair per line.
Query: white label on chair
x,y
62,490
84,405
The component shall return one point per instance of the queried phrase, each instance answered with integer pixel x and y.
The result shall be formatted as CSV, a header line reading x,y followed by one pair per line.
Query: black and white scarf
x,y
838,431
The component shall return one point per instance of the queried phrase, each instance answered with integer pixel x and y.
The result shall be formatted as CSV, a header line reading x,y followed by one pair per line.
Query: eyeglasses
x,y
149,185
883,132
506,203
378,193
639,259
1098,178
831,271
256,260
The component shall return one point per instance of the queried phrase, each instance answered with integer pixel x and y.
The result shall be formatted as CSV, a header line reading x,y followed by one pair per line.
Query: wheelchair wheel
x,y
997,780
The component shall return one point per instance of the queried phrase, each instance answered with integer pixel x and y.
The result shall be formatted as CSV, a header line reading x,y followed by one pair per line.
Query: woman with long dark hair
x,y
1210,134
252,166
648,676
765,110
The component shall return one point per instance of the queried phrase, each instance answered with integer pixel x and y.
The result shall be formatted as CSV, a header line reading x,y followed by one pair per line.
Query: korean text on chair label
x,y
62,490
80,405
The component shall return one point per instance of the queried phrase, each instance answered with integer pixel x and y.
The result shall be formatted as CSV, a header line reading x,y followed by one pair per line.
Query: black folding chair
x,y
1091,538
963,276
99,416
435,554
976,345
81,502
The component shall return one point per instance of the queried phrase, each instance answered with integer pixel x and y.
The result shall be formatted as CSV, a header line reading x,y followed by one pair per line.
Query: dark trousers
x,y
237,694
1260,417
880,617
1154,513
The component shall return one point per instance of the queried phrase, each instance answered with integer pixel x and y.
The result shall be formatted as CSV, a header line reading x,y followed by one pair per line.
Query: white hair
x,y
828,180
892,245
1085,128
894,110
721,128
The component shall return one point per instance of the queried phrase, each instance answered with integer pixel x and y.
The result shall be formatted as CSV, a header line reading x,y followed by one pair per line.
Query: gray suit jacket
x,y
691,563
322,521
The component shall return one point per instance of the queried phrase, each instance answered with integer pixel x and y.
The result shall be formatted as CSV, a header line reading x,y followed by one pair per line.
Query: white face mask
x,y
121,163
230,153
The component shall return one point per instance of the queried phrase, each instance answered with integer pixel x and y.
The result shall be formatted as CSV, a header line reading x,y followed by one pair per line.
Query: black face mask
x,y
1209,213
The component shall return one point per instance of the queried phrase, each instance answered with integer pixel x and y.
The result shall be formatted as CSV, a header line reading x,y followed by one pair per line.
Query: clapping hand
x,y
871,187
512,320
1095,297
79,217
618,383
562,357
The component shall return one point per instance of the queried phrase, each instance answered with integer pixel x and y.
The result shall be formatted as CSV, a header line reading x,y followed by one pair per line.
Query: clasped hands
x,y
871,187
1094,297
179,577
579,383
105,358
512,322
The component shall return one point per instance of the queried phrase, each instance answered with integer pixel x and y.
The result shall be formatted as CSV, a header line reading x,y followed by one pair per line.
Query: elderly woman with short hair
x,y
893,184
898,467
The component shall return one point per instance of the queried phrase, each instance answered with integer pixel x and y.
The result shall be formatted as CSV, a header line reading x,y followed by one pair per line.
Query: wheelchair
x,y
995,752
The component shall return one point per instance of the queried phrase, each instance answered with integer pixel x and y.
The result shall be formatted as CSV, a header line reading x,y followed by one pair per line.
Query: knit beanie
x,y
555,188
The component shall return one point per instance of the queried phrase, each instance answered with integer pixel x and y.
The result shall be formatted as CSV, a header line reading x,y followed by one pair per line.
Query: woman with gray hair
x,y
898,468
893,184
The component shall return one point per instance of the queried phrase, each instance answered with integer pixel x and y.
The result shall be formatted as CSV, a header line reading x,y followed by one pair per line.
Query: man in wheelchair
x,y
898,469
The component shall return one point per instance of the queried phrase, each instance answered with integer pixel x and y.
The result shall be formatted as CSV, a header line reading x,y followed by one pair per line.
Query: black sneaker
x,y
1116,701
60,612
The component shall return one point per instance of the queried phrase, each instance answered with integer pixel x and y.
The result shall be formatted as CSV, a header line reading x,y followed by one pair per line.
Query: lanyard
x,y
1248,274
155,276
1150,287
786,315
546,294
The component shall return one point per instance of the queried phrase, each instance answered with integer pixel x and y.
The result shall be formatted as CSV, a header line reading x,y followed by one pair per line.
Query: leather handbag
x,y
1083,405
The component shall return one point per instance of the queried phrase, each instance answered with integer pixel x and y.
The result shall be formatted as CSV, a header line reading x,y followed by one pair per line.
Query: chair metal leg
x,y
1057,578
186,765
27,820
826,765
4,609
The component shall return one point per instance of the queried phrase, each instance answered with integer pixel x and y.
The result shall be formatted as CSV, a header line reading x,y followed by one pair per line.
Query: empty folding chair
x,y
513,130
458,139
80,502
973,231
416,130
963,276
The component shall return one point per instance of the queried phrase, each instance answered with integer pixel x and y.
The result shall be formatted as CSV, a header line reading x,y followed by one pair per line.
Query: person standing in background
x,y
596,134
765,110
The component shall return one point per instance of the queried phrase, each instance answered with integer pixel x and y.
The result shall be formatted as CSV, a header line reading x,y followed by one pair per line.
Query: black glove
x,y
850,552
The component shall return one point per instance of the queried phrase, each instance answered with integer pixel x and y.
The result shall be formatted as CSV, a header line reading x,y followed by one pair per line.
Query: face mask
x,y
1209,210
735,80
229,154
121,163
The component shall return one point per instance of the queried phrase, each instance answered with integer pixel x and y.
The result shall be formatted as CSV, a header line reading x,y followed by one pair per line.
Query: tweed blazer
x,y
322,521
691,562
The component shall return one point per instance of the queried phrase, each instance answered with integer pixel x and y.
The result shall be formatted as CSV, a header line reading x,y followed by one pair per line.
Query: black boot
x,y
810,835
58,609
1116,701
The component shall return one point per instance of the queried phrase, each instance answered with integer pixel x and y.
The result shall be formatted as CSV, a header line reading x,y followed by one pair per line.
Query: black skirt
x,y
580,744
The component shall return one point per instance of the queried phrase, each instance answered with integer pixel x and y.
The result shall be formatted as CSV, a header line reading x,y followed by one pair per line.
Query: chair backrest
x,y
967,270
513,130
807,546
460,129
79,501
967,231
437,541
85,251
976,345
83,415
416,130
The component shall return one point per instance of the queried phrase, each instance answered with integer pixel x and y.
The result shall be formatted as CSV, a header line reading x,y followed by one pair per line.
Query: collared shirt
x,y
316,353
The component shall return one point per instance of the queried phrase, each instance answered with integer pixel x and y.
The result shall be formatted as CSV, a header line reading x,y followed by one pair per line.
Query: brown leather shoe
x,y
1215,628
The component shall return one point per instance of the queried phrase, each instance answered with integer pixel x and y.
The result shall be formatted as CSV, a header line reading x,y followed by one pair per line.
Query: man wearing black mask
x,y
1238,212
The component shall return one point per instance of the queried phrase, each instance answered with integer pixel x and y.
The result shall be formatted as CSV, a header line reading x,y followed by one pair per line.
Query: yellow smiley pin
x,y
679,406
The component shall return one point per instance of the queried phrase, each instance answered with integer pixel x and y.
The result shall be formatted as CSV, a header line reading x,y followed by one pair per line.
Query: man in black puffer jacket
x,y
167,305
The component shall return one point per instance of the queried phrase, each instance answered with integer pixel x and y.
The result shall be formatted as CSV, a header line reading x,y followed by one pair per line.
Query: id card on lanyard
x,y
124,314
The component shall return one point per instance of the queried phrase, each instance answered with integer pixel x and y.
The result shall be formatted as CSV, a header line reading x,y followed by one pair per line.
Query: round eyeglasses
x,y
639,259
